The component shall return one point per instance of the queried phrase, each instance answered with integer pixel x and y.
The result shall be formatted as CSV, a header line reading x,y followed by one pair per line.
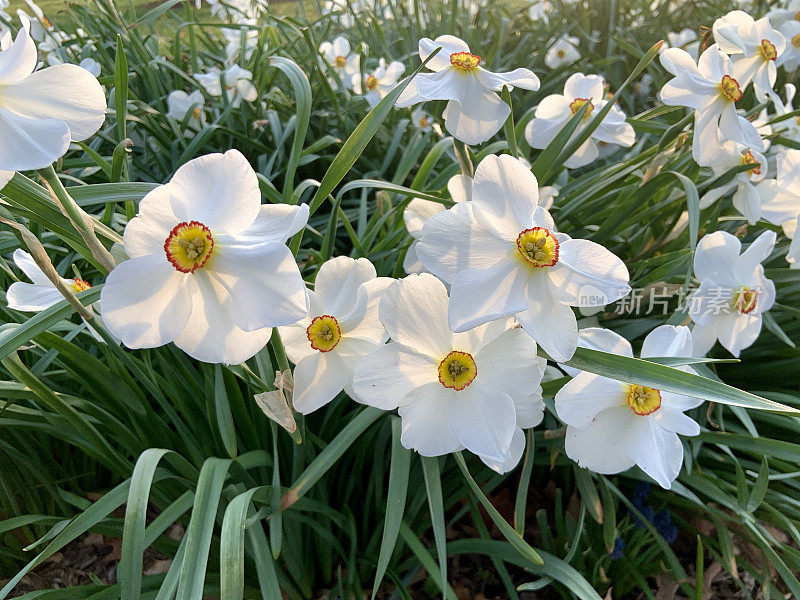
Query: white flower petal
x,y
521,78
30,143
276,223
552,324
19,59
505,195
338,281
450,44
516,451
509,363
146,233
318,379
28,266
477,115
384,377
587,271
602,446
425,415
715,256
668,340
484,421
585,396
756,253
657,451
675,420
31,297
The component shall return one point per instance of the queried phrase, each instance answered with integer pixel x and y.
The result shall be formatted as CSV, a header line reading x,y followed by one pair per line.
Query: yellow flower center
x,y
196,113
744,300
79,285
797,16
768,50
578,104
457,370
371,83
424,122
643,400
465,61
796,41
538,247
189,246
340,61
729,88
324,333
561,53
749,159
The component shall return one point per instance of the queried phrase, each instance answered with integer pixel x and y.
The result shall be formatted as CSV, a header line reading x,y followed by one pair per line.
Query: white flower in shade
x,y
241,36
338,57
341,327
644,86
556,110
783,12
733,291
42,111
762,124
380,82
613,425
91,65
419,211
209,268
788,128
790,59
564,51
474,112
421,119
780,199
686,39
793,255
235,81
538,9
746,198
754,48
41,294
180,104
472,390
503,257
711,89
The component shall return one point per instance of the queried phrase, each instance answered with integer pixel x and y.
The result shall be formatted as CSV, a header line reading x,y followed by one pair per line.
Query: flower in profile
x,y
209,268
754,48
709,87
788,128
180,104
245,35
538,9
614,425
422,120
341,326
556,110
780,201
503,257
746,198
42,111
733,291
564,51
234,81
685,39
41,294
472,390
783,12
790,59
338,57
419,211
380,82
474,111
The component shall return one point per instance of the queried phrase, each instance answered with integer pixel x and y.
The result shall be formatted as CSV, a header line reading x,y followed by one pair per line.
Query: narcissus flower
x,y
780,199
41,294
341,326
338,57
556,110
686,39
564,51
472,390
235,82
790,59
746,198
503,257
42,111
474,112
733,291
709,87
754,48
613,425
209,268
421,119
380,82
180,104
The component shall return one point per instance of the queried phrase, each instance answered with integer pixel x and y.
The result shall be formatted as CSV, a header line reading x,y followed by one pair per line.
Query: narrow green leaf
x,y
760,487
222,409
433,487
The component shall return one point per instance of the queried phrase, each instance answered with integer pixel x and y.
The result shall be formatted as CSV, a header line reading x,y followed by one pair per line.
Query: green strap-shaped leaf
x,y
433,487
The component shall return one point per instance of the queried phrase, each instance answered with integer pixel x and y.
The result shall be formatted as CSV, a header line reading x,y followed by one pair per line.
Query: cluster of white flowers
x,y
454,345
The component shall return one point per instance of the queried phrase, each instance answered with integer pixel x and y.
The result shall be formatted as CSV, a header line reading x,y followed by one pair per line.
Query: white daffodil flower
x,y
41,294
503,257
422,120
338,57
538,9
556,110
711,89
474,111
179,104
378,83
564,51
472,390
754,48
235,38
733,291
783,12
236,81
788,128
42,111
790,59
419,211
613,425
780,199
793,255
746,198
685,39
341,327
209,268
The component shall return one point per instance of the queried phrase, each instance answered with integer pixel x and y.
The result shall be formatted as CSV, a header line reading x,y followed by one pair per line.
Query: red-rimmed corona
x,y
189,246
324,333
457,370
538,247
